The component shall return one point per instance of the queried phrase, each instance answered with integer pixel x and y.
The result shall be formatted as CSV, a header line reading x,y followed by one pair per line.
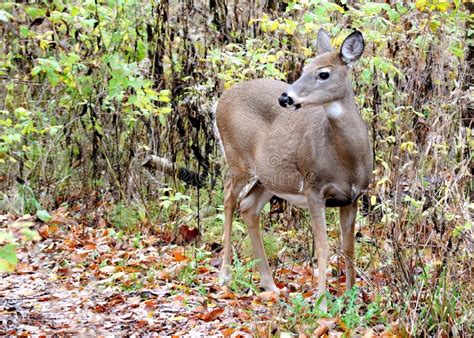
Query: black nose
x,y
285,101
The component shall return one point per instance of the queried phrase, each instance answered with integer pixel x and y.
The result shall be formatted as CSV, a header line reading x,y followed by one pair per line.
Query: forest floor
x,y
82,278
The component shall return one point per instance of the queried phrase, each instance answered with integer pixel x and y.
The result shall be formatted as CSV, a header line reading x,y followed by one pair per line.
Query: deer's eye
x,y
323,75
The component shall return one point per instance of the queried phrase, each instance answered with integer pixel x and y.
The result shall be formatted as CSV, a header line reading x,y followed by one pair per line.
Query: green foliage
x,y
350,311
43,215
353,312
241,273
440,308
102,70
171,197
188,275
8,258
125,218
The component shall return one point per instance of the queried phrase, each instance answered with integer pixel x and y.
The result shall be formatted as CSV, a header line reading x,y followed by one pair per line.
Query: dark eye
x,y
323,75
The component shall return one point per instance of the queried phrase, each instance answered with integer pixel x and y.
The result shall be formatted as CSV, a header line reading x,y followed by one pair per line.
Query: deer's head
x,y
326,79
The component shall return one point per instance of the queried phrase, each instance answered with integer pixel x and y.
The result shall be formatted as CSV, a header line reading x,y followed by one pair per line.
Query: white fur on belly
x,y
299,200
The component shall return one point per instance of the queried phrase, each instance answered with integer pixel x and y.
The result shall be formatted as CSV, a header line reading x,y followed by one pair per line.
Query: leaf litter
x,y
82,279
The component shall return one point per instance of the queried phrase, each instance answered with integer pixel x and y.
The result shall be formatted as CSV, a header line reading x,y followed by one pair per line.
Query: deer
x,y
305,143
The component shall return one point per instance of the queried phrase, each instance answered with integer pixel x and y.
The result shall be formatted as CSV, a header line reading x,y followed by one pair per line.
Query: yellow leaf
x,y
338,40
420,4
382,181
373,200
289,30
6,266
408,147
274,26
44,44
443,6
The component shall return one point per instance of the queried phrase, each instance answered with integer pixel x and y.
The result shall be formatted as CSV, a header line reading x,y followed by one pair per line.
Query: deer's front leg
x,y
318,226
347,216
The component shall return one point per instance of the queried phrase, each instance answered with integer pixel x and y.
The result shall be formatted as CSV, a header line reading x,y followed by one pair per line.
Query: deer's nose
x,y
285,101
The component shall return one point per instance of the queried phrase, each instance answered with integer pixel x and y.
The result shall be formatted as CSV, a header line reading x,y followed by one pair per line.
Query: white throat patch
x,y
334,109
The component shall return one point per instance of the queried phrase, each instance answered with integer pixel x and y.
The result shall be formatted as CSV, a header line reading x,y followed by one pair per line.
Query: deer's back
x,y
254,99
244,114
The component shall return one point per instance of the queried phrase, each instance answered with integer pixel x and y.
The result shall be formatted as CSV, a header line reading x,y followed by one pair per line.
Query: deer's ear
x,y
352,47
323,44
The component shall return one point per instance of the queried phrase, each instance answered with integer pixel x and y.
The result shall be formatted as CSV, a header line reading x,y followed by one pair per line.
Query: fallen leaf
x,y
79,257
107,269
369,333
24,222
23,267
210,316
226,294
58,219
178,256
163,275
216,262
203,269
321,330
90,246
142,323
62,271
99,308
263,330
227,332
118,299
102,223
188,234
329,323
267,296
244,316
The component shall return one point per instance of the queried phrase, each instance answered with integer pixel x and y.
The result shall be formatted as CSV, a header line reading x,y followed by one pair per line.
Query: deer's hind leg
x,y
234,185
250,208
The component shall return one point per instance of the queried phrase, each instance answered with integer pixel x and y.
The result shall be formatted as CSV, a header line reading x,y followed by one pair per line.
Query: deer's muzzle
x,y
285,101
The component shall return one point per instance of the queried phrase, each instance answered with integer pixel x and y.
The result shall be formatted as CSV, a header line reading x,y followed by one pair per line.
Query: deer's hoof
x,y
225,276
270,286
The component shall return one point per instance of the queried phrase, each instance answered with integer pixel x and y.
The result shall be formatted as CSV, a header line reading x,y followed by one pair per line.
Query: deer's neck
x,y
347,130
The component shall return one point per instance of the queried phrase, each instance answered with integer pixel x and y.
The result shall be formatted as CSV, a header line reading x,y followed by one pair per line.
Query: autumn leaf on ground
x,y
267,296
187,234
178,255
210,316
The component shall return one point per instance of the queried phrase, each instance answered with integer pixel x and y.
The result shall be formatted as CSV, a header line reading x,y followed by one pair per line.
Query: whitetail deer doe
x,y
315,155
